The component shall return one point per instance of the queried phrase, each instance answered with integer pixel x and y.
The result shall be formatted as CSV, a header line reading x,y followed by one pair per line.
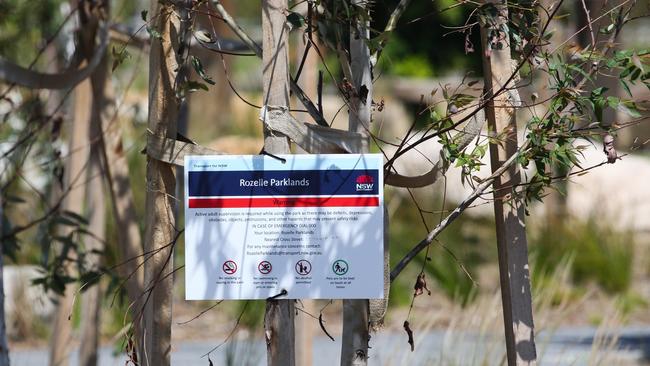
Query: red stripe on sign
x,y
283,202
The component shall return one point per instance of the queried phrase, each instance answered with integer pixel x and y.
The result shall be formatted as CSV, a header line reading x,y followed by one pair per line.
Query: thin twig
x,y
201,313
232,332
591,30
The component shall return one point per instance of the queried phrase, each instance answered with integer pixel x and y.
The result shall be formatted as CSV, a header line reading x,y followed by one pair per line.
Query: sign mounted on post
x,y
256,225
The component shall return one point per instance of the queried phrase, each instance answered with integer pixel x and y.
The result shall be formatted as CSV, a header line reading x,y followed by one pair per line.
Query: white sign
x,y
311,225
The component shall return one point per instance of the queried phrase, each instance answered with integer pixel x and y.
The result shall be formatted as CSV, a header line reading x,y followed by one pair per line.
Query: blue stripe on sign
x,y
283,183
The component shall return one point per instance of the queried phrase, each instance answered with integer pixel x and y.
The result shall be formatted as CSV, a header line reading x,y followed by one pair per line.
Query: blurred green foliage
x,y
397,61
423,45
600,254
23,26
251,312
631,301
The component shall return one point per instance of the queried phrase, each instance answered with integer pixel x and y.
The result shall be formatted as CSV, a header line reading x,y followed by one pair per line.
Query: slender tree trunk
x,y
54,98
279,315
508,209
116,170
104,121
160,231
75,167
355,338
95,204
4,348
96,208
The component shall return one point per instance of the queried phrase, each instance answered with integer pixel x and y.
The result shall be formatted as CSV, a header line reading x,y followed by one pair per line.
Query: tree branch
x,y
16,74
390,26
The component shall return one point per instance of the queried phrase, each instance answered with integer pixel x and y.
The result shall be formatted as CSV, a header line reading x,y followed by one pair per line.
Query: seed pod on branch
x,y
421,285
608,148
409,332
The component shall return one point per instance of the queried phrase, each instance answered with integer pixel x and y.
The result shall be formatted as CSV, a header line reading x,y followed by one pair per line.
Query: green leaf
x,y
460,100
14,199
374,44
628,70
598,91
198,67
153,32
630,109
625,87
613,102
88,279
607,29
574,159
10,247
143,15
75,216
119,57
435,116
193,86
599,106
611,63
296,19
64,221
523,161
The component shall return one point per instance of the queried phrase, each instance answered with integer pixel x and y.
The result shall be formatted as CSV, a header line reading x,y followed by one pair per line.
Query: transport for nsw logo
x,y
365,183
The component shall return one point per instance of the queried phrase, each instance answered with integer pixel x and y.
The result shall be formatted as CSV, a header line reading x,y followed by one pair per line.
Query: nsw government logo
x,y
365,183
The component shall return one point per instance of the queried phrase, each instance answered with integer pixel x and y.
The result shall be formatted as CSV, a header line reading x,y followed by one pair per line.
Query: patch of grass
x,y
600,254
630,301
553,287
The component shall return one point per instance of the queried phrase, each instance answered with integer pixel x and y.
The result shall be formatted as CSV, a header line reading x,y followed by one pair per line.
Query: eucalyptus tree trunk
x,y
279,316
94,245
160,232
95,205
116,171
355,337
508,208
4,348
74,187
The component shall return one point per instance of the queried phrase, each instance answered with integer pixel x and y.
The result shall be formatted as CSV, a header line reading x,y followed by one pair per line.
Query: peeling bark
x,y
160,230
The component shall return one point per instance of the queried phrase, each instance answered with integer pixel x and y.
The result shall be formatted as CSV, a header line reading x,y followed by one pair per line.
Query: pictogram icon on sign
x,y
229,267
340,267
264,267
303,267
